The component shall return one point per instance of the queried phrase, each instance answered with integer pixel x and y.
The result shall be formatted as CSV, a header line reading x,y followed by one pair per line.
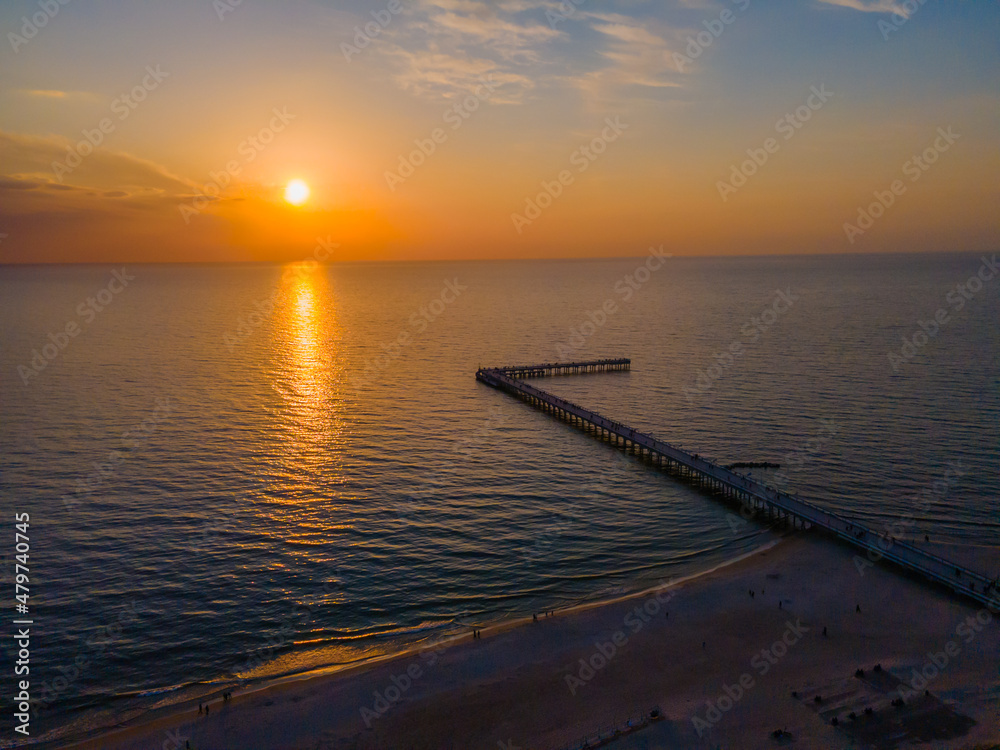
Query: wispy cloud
x,y
28,160
871,6
438,74
447,46
632,54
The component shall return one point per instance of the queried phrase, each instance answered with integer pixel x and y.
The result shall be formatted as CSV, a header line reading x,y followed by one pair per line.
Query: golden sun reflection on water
x,y
307,376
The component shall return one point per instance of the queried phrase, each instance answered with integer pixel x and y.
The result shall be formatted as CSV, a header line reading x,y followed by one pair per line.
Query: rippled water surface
x,y
236,472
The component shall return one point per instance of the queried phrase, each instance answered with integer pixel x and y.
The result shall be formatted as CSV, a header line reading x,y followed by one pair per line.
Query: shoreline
x,y
156,717
464,692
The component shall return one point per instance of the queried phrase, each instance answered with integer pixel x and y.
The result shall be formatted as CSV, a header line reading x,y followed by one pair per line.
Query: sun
x,y
296,192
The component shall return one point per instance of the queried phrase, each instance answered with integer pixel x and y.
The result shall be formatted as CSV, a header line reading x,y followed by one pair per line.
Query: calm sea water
x,y
238,472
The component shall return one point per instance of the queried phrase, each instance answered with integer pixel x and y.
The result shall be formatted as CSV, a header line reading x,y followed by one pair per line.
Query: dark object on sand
x,y
818,699
859,673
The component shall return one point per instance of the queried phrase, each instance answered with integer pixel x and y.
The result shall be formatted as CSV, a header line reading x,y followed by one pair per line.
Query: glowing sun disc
x,y
296,192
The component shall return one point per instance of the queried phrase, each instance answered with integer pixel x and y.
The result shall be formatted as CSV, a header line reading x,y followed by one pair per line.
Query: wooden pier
x,y
564,368
747,492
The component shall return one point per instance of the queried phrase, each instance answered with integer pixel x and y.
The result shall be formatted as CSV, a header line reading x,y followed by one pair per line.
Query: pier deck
x,y
736,487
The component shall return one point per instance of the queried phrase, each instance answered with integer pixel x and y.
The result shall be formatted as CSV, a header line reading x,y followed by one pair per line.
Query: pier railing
x,y
747,490
564,368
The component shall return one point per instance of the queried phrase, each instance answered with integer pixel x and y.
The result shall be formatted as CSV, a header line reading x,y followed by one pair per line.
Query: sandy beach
x,y
725,668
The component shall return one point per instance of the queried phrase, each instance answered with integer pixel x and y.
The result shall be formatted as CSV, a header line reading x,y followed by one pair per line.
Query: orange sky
x,y
465,129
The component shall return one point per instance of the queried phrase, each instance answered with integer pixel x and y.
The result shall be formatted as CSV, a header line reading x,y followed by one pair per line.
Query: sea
x,y
235,473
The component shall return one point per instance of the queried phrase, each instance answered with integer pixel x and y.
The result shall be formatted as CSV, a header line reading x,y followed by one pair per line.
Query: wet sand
x,y
714,660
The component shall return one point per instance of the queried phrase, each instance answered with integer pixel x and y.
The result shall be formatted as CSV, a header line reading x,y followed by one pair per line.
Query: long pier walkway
x,y
776,504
